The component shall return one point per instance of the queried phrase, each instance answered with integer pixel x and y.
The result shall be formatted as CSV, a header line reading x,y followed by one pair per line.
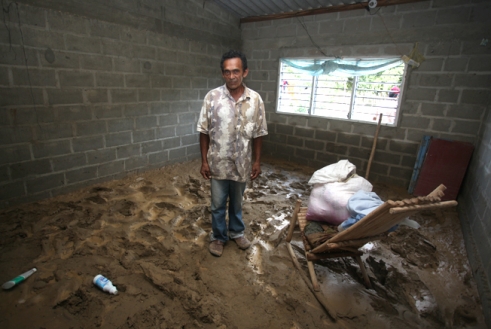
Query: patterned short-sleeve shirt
x,y
231,126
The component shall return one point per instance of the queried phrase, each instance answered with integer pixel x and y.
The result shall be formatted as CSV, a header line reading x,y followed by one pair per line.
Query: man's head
x,y
234,54
234,69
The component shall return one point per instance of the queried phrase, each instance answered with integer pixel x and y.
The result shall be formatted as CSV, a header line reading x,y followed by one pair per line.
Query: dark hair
x,y
234,54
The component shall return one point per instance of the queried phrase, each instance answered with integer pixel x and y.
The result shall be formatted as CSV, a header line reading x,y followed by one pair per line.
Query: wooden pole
x,y
373,146
318,295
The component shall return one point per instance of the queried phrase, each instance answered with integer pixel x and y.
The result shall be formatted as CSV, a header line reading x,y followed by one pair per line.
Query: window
x,y
357,90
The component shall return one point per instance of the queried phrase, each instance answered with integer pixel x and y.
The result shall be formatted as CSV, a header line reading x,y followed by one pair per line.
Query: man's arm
x,y
257,144
204,144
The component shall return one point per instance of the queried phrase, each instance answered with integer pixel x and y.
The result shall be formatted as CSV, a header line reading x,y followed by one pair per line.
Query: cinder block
x,y
80,175
61,59
101,156
14,55
148,95
325,135
165,132
42,38
135,109
73,113
124,96
122,64
117,48
13,154
87,143
480,64
53,131
433,109
457,15
15,134
108,169
95,96
158,158
191,95
284,129
455,64
109,80
50,149
96,62
420,94
65,96
171,143
403,147
184,129
33,77
193,151
177,154
21,96
120,124
479,97
30,168
108,111
387,158
295,141
103,29
466,127
419,19
378,168
137,80
135,163
189,140
473,80
76,79
118,139
161,81
181,82
68,161
186,118
143,135
349,139
83,44
12,190
179,107
144,52
145,122
44,183
448,95
152,146
61,21
128,151
168,120
4,76
133,36
167,55
464,111
302,132
436,80
414,122
29,15
91,128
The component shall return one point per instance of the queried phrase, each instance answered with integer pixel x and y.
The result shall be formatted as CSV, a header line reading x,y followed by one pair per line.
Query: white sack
x,y
336,172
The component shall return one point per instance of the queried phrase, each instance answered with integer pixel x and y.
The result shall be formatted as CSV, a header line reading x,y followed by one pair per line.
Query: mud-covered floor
x,y
148,234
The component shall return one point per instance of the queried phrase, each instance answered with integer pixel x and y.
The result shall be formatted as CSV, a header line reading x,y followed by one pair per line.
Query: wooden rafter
x,y
317,11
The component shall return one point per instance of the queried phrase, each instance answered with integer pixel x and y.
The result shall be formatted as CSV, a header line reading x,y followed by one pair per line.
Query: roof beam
x,y
331,9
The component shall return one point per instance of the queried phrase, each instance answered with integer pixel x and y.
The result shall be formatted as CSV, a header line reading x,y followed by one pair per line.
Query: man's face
x,y
233,73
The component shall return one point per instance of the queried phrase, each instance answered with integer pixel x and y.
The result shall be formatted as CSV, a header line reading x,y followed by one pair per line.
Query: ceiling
x,y
261,10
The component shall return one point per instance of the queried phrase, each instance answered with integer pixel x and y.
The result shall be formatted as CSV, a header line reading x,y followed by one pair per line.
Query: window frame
x,y
352,95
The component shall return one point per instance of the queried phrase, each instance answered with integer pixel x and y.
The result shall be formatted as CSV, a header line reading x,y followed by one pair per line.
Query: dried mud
x,y
148,234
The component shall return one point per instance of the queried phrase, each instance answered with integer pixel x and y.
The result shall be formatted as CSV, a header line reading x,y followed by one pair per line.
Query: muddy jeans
x,y
221,190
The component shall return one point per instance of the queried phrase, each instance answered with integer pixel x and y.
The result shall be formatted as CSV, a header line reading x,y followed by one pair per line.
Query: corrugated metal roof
x,y
249,8
258,10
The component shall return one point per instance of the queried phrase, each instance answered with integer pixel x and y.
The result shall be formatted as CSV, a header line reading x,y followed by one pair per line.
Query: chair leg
x,y
313,277
293,220
363,272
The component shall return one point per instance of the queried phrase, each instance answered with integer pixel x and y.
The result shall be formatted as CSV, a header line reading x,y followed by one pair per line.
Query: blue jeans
x,y
221,190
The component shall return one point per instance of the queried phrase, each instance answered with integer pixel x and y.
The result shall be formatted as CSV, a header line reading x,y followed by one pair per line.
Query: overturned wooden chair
x,y
372,227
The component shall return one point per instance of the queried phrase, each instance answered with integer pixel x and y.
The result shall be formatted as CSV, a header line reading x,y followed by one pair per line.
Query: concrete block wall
x,y
448,96
445,97
92,90
475,216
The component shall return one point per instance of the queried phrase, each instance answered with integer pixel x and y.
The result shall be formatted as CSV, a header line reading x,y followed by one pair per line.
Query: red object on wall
x,y
445,163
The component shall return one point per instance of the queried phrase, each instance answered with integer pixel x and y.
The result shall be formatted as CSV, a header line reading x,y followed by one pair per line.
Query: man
x,y
231,123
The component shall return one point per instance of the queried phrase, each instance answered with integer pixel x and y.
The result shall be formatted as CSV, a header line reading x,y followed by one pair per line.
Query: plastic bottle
x,y
18,279
105,284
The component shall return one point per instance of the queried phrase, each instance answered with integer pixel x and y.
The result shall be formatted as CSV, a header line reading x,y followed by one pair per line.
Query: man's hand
x,y
256,170
205,171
